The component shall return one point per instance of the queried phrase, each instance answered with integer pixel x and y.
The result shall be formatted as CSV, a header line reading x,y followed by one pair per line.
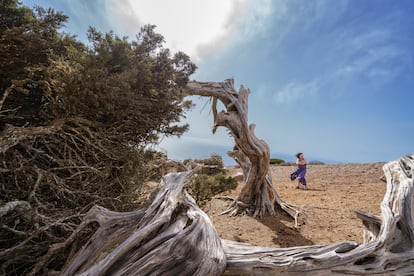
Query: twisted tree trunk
x,y
258,196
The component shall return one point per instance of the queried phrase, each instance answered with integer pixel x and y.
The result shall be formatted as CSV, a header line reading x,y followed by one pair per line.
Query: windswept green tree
x,y
75,120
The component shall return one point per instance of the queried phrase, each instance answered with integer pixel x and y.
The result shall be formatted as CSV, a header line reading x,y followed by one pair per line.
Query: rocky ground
x,y
327,207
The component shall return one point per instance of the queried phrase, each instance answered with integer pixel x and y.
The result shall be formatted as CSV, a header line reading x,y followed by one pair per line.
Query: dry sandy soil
x,y
327,207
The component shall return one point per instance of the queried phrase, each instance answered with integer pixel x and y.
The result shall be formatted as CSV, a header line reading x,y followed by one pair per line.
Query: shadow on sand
x,y
285,233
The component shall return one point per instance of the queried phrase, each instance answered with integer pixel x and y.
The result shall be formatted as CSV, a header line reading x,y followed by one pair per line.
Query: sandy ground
x,y
327,207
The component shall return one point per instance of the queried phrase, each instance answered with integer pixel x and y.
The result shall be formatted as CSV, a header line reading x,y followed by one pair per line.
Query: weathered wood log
x,y
171,237
174,237
258,196
372,225
390,250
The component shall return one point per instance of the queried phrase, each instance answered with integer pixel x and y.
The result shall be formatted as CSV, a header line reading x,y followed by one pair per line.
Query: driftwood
x,y
171,237
174,237
258,196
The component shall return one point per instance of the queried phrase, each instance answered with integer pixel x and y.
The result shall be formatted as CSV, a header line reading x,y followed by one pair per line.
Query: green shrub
x,y
316,163
276,161
213,160
211,180
209,166
203,187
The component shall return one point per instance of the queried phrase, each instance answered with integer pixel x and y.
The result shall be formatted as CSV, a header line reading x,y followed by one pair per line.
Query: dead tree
x,y
173,236
258,196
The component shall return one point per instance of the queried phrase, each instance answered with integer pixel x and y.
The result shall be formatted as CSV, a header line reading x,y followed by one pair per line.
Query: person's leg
x,y
303,182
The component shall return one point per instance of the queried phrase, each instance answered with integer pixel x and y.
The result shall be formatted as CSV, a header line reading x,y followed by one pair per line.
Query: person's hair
x,y
298,154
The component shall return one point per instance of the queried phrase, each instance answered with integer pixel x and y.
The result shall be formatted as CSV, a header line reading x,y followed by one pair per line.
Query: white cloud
x,y
363,56
247,20
361,40
250,17
192,26
376,62
124,16
185,24
296,91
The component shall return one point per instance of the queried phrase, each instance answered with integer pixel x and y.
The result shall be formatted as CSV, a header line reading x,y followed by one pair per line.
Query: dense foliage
x,y
75,120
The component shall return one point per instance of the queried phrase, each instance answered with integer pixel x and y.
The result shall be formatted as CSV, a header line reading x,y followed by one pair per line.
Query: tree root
x,y
236,207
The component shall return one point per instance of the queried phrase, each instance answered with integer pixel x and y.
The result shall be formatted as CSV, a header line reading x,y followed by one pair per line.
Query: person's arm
x,y
301,161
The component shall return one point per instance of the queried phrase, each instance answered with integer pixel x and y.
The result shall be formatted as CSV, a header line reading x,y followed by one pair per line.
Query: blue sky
x,y
332,79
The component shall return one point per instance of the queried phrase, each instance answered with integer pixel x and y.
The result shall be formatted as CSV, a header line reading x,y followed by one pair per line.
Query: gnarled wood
x,y
258,195
173,236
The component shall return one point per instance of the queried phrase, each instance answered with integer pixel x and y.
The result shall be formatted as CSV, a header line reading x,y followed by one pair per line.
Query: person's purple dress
x,y
300,174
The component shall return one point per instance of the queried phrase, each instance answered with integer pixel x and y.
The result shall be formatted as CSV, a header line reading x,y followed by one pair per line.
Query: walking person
x,y
300,172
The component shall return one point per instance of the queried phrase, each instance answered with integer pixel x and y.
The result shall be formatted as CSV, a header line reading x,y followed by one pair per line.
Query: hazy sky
x,y
332,79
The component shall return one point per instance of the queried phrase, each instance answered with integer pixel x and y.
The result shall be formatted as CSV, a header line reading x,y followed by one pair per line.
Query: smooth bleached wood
x,y
171,237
